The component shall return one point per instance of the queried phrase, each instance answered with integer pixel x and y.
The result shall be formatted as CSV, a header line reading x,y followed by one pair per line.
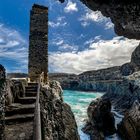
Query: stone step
x,y
32,84
32,90
19,131
30,94
19,109
27,100
19,118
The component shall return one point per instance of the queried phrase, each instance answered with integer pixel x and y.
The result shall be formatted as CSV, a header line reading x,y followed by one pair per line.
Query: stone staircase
x,y
19,116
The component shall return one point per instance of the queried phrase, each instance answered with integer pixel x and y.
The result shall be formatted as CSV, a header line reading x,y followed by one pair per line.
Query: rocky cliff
x,y
124,94
124,98
99,80
57,118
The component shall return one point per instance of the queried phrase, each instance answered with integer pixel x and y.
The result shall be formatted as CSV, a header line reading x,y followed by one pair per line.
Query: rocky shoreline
x,y
125,100
121,84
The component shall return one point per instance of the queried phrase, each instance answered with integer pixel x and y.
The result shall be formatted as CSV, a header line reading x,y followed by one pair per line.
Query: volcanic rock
x,y
101,121
129,128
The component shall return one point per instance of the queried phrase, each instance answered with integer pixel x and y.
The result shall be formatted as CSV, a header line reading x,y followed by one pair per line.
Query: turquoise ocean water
x,y
79,102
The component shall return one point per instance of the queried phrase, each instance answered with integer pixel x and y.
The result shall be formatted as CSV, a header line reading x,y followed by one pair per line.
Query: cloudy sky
x,y
79,39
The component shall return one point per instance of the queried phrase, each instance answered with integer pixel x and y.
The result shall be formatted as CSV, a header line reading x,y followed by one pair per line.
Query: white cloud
x,y
97,17
101,54
63,45
13,46
68,47
90,41
109,25
60,22
91,16
59,42
71,7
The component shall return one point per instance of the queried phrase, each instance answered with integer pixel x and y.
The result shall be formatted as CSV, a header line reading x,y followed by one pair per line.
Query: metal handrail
x,y
37,118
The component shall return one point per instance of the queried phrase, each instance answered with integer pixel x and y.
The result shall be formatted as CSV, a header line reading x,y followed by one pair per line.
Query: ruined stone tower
x,y
38,43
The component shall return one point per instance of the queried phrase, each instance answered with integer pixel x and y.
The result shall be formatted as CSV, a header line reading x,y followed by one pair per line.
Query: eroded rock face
x,y
129,128
101,121
2,100
57,118
125,93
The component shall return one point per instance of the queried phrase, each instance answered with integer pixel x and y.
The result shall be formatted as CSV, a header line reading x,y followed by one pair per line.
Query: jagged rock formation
x,y
123,13
123,97
124,94
2,101
57,118
101,121
129,128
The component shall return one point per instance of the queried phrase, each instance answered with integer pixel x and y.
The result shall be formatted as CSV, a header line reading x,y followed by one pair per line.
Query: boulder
x,y
101,121
129,128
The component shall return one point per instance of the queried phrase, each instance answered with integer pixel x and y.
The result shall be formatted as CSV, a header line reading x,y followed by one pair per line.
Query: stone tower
x,y
38,43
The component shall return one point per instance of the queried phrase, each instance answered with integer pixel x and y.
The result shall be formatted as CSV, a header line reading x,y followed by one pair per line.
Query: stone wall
x,y
38,46
2,101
